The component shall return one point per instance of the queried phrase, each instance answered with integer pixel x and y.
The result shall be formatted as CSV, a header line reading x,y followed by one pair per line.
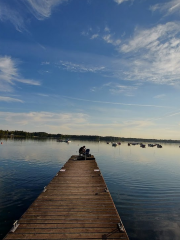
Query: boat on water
x,y
142,145
114,144
151,145
159,146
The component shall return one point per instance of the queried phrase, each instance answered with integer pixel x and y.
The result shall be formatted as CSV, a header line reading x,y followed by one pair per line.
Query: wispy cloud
x,y
94,36
7,13
117,103
17,13
153,54
9,99
45,63
169,7
149,55
109,39
67,123
74,67
122,89
104,35
42,95
43,121
42,9
9,74
93,89
151,39
160,96
116,88
172,114
87,32
106,29
120,1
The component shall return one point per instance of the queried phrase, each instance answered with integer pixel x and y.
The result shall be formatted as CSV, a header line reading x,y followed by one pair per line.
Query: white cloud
x,y
168,7
42,95
9,99
109,39
153,54
9,14
117,103
93,89
43,121
122,89
116,88
160,96
105,36
106,29
74,67
120,1
67,123
151,38
9,74
45,63
94,36
40,9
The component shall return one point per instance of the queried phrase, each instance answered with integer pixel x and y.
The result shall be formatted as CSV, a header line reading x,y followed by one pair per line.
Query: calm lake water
x,y
144,182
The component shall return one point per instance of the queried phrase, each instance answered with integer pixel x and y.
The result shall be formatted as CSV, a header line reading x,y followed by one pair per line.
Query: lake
x,y
144,182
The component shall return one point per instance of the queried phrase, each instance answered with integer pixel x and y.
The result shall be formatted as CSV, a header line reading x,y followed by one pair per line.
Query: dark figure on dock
x,y
82,150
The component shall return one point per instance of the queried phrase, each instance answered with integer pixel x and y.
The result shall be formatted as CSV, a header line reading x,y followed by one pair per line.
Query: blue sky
x,y
95,67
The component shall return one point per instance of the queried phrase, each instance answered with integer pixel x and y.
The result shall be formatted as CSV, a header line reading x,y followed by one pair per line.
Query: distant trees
x,y
22,134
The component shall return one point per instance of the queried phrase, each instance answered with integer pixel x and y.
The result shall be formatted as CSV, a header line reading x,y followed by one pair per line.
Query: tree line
x,y
23,134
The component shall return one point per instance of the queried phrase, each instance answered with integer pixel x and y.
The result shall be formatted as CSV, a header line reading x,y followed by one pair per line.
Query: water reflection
x,y
144,183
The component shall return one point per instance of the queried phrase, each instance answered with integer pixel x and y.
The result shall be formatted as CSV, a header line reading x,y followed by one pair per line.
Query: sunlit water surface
x,y
144,182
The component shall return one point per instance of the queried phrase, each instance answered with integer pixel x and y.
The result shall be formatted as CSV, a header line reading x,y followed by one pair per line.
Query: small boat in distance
x,y
114,144
142,145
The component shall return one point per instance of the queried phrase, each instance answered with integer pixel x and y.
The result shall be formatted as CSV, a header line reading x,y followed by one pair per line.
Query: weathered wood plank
x,y
110,235
73,211
69,230
75,205
72,226
43,220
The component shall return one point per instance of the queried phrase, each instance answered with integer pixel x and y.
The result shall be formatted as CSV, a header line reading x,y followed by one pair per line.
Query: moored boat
x,y
114,144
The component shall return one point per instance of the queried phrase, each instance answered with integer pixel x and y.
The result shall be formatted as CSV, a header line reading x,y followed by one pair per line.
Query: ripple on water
x,y
143,183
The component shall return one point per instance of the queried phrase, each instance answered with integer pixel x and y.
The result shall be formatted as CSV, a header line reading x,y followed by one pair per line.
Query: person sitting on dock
x,y
82,150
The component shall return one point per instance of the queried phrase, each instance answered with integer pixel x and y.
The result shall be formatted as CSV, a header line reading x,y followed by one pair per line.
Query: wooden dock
x,y
75,205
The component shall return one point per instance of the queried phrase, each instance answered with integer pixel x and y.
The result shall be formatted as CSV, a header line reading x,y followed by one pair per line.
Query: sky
x,y
91,67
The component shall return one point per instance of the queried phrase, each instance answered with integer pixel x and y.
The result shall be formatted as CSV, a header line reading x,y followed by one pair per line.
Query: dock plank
x,y
76,204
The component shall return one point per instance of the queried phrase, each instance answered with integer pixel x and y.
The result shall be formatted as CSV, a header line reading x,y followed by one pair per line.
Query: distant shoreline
x,y
5,134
